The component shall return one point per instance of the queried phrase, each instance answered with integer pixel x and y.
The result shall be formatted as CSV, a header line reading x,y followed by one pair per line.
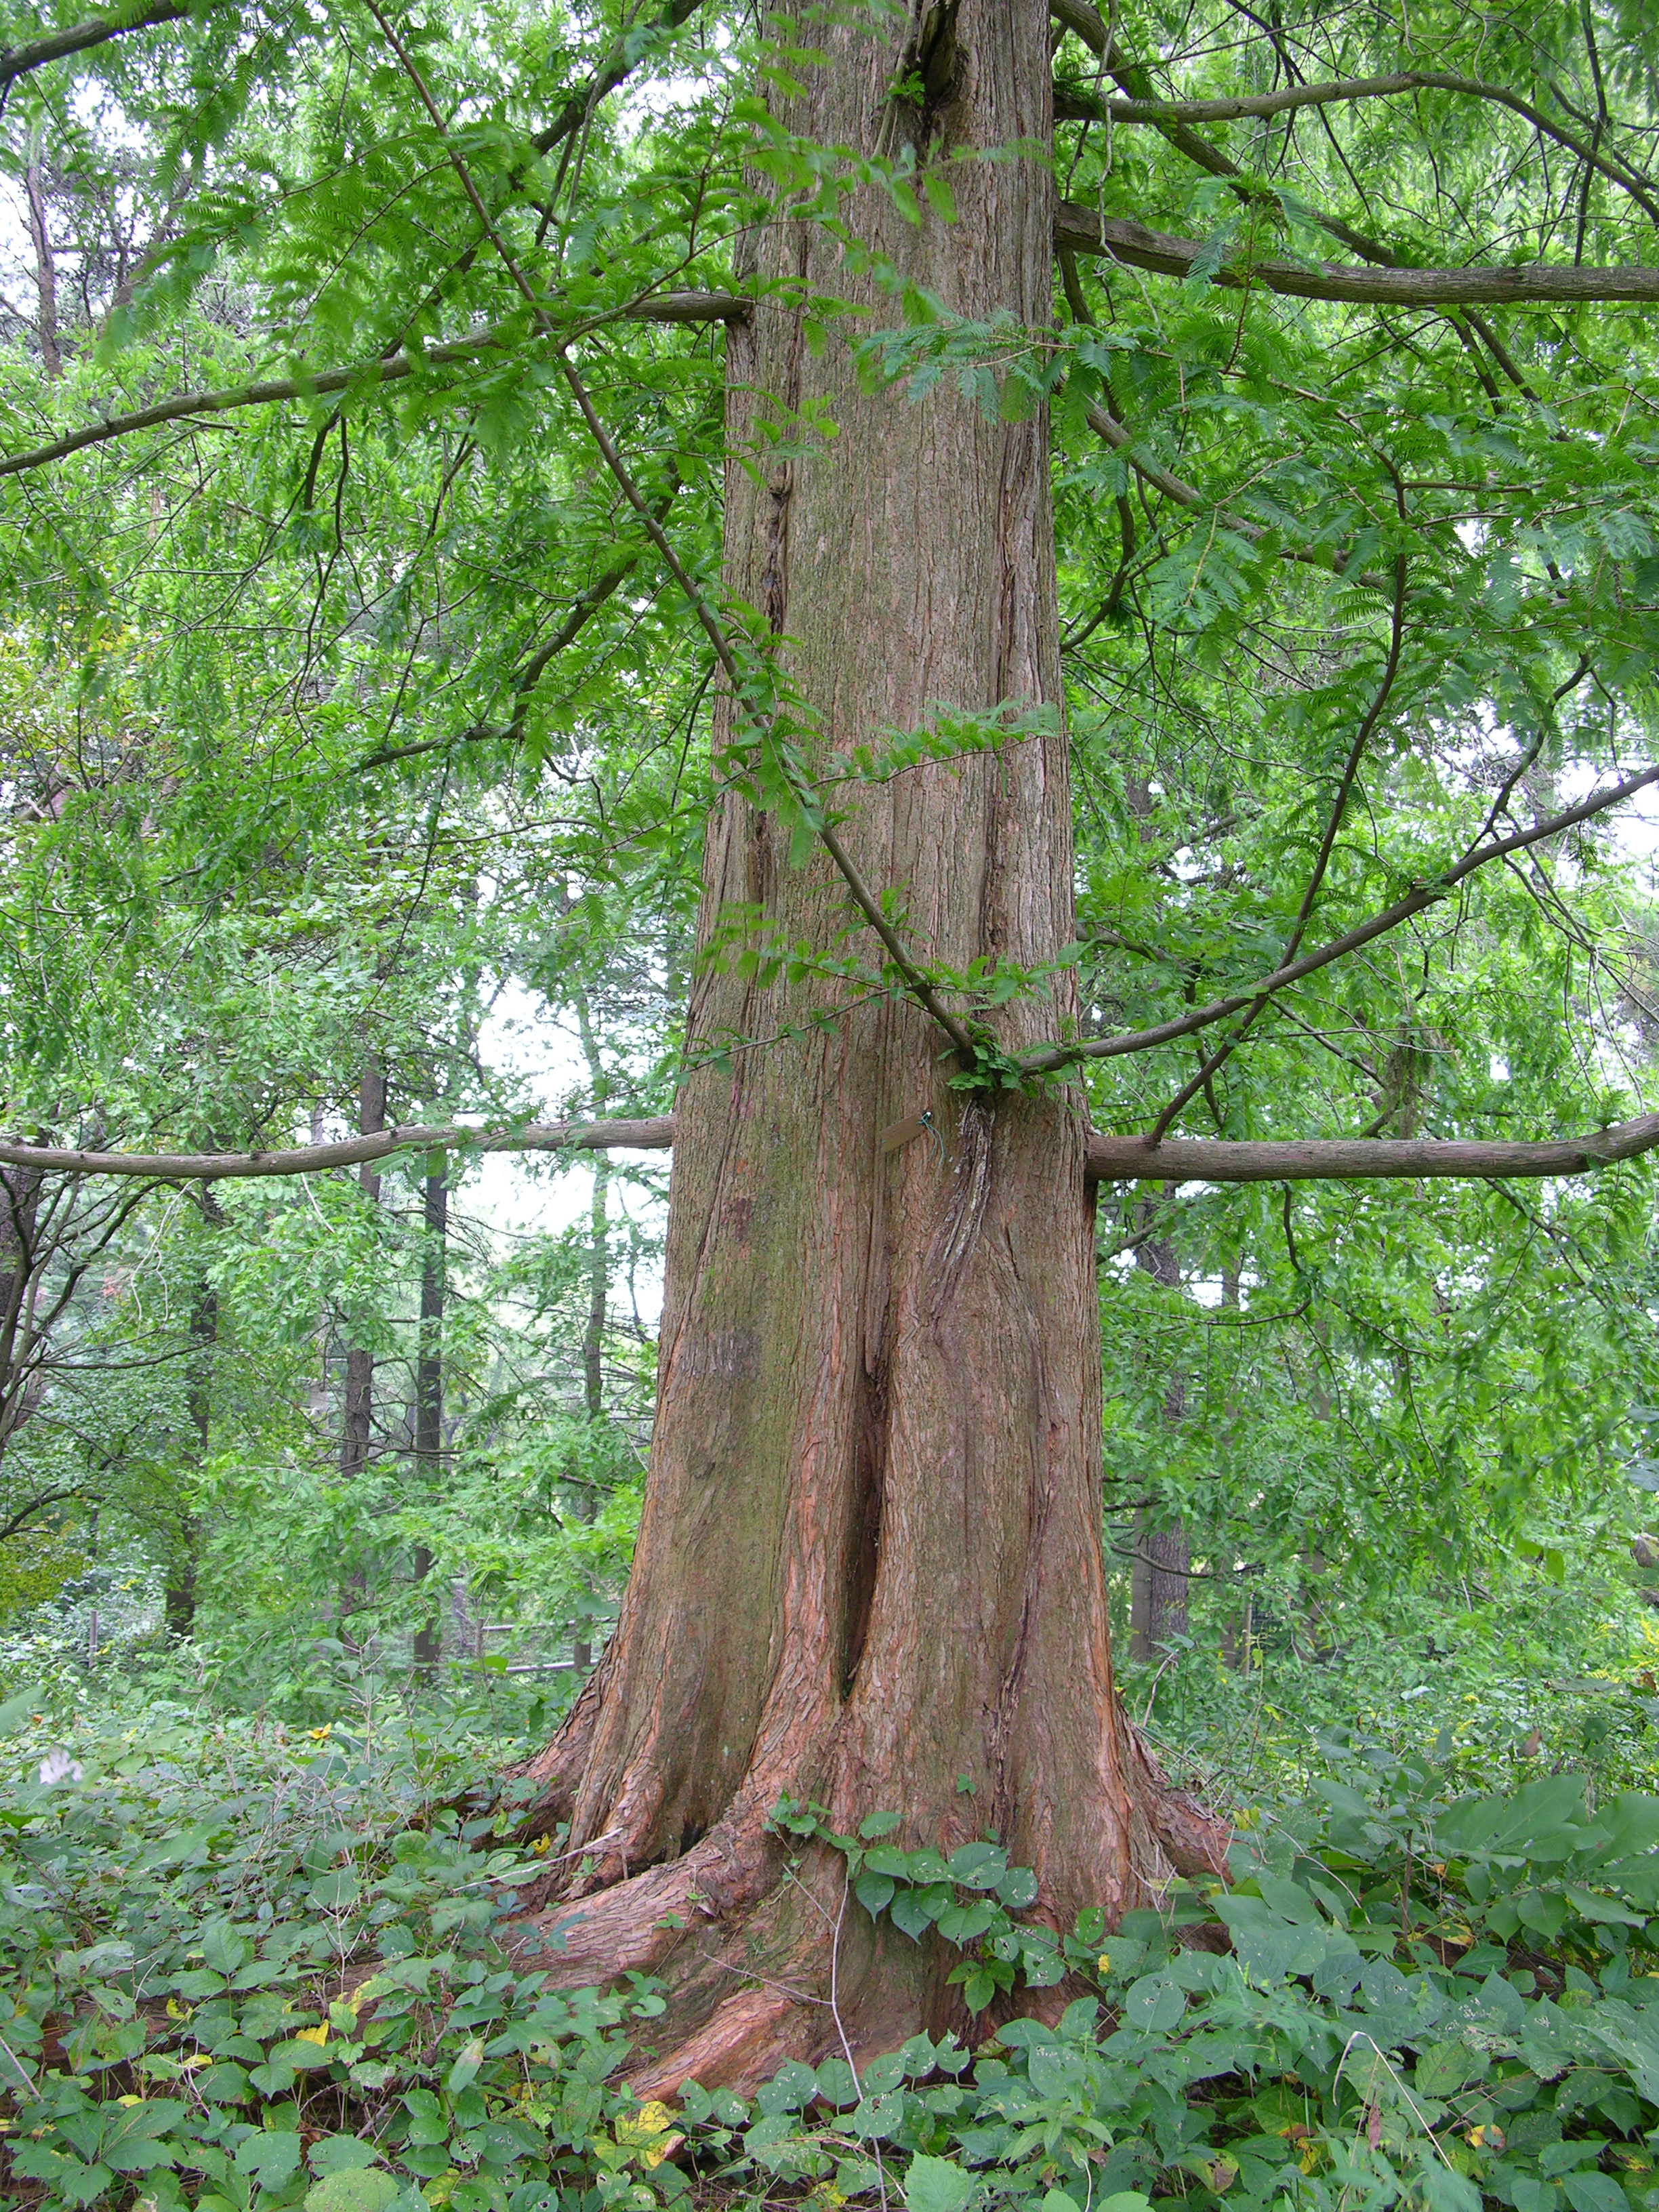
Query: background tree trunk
x,y
429,1375
870,1567
598,1293
358,1427
1159,1577
45,260
179,1587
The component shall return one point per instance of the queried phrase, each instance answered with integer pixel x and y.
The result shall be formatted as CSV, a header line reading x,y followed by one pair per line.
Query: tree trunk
x,y
870,1571
599,1295
429,1376
1159,1577
45,263
357,1429
179,1589
20,1271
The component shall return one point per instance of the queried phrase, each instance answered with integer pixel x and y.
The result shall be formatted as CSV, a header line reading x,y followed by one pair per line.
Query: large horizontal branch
x,y
654,1135
1289,98
1107,1159
96,30
1174,117
1360,1159
1081,230
663,307
1052,1058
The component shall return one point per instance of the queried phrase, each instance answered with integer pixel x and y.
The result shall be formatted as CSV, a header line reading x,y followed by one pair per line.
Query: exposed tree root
x,y
1194,1842
743,2044
763,1961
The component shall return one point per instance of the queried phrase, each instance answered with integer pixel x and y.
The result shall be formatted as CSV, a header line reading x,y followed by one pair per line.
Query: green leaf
x,y
466,2067
340,2154
272,2157
978,1866
1591,2191
911,1913
221,1948
938,2184
16,1712
887,1858
874,1892
1445,2067
1154,2004
364,2189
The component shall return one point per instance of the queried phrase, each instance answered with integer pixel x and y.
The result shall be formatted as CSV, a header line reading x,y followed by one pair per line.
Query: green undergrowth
x,y
244,1968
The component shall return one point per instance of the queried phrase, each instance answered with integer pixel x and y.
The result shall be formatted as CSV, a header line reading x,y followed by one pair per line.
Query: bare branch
x,y
1343,1159
648,1136
1108,1159
1081,230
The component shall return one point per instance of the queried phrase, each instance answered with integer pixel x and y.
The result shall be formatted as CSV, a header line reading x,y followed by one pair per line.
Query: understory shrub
x,y
246,1970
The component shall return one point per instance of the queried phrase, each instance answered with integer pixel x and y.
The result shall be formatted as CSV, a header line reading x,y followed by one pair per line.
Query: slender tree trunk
x,y
45,264
357,1432
1159,1578
870,1568
429,1374
19,1268
179,1587
598,1287
598,1291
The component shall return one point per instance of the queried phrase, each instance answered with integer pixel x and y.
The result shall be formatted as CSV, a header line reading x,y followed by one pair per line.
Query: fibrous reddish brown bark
x,y
870,1568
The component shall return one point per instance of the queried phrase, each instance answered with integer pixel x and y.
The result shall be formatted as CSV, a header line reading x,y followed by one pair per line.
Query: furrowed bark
x,y
870,1568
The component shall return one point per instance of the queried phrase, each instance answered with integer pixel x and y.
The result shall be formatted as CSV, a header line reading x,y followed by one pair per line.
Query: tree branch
x,y
581,612
1291,97
96,30
653,1135
1052,1058
1107,1159
1229,1045
1342,1159
1081,230
623,60
1332,560
665,307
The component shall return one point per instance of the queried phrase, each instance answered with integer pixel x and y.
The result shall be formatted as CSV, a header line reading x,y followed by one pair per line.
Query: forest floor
x,y
1427,1985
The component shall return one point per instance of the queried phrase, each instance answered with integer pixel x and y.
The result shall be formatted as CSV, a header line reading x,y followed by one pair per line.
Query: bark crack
x,y
958,1232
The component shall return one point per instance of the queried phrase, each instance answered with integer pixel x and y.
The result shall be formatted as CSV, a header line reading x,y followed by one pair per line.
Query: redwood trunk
x,y
870,1568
